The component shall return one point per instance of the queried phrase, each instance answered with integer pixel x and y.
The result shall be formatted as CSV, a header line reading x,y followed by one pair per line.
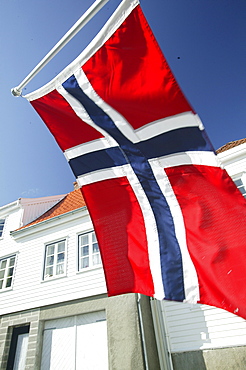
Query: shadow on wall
x,y
189,361
231,358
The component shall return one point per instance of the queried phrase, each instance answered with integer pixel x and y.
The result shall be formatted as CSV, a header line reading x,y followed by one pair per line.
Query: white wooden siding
x,y
29,289
195,327
12,222
234,159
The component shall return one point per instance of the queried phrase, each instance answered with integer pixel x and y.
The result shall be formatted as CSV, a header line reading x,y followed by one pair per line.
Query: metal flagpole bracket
x,y
95,7
16,92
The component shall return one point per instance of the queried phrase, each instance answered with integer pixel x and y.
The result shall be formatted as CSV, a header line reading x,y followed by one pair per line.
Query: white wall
x,y
29,290
12,218
196,327
234,160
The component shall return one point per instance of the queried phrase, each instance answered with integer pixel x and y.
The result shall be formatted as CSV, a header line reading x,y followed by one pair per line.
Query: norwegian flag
x,y
169,221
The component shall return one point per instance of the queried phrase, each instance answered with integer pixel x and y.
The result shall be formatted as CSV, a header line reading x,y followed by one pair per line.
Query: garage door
x,y
76,342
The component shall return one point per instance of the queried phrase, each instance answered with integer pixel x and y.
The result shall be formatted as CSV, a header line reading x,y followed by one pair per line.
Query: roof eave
x,y
32,228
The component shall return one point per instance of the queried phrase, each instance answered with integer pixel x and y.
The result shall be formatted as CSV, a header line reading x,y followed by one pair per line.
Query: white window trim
x,y
54,277
15,254
89,268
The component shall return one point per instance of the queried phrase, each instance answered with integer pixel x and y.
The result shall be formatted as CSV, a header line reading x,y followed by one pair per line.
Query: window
x,y
89,255
18,348
240,185
7,266
55,255
2,221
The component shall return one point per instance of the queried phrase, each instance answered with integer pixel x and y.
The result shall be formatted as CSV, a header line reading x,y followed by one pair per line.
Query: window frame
x,y
241,177
3,219
90,255
45,276
6,277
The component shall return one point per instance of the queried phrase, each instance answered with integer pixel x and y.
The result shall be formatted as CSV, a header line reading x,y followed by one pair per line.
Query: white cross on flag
x,y
170,222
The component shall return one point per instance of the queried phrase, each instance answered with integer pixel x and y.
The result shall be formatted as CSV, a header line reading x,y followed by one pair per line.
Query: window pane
x,y
60,269
85,250
61,247
94,239
1,284
240,186
2,274
96,259
95,248
49,271
84,239
242,189
85,262
1,226
10,271
238,182
50,260
3,264
12,261
60,257
50,249
9,281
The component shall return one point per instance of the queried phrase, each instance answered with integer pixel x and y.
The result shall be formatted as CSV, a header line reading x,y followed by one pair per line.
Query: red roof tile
x,y
231,144
70,202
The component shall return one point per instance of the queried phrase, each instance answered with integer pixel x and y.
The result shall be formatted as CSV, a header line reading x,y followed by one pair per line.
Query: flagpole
x,y
142,331
95,7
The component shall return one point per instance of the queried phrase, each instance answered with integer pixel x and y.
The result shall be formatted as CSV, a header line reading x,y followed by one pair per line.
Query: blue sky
x,y
203,41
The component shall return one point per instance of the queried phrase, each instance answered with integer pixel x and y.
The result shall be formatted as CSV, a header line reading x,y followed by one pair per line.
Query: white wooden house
x,y
55,313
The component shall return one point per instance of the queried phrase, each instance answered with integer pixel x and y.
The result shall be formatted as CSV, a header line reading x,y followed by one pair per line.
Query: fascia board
x,y
8,208
230,155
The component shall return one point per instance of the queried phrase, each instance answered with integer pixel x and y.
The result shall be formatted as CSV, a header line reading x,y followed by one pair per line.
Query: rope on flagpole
x,y
95,7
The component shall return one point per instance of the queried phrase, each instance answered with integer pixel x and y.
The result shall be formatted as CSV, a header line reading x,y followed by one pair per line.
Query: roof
x,y
35,207
70,202
230,145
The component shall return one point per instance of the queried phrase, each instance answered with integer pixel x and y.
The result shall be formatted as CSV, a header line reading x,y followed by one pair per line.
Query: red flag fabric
x,y
168,218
